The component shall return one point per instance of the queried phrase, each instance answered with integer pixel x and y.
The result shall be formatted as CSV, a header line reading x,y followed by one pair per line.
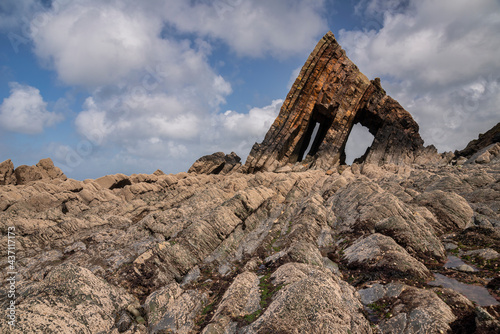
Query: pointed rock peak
x,y
328,97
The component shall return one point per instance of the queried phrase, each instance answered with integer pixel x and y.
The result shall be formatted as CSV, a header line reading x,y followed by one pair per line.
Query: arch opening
x,y
321,120
358,144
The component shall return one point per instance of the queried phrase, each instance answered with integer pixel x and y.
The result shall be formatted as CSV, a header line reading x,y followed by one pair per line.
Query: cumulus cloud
x,y
25,111
434,57
146,65
252,28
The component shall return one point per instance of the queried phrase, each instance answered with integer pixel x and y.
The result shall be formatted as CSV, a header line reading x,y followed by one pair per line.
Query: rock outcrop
x,y
329,96
7,175
490,137
217,163
284,249
43,170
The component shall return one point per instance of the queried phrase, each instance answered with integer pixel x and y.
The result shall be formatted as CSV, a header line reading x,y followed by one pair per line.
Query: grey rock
x,y
486,253
381,253
191,276
465,268
124,322
312,300
372,294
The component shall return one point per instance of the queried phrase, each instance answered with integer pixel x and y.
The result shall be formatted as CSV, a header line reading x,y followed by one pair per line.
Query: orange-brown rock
x,y
331,95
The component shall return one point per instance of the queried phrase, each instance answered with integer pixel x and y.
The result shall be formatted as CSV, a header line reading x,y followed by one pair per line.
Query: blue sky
x,y
106,87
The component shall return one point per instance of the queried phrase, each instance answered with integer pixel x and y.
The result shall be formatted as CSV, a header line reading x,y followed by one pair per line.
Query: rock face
x,y
329,96
492,136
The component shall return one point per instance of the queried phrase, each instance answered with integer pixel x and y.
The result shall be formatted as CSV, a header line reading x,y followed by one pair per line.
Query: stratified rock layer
x,y
329,96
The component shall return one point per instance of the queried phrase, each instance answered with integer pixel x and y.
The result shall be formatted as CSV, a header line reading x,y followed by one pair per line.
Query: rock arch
x,y
332,92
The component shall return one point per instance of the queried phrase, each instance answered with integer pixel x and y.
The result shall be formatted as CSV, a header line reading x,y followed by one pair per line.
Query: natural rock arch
x,y
332,92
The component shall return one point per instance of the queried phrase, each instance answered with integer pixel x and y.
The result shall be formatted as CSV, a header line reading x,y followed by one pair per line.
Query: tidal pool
x,y
477,294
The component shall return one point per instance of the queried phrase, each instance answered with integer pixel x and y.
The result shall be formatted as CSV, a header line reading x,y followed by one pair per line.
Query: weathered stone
x,y
451,210
486,254
217,163
418,311
69,299
7,175
172,309
332,94
44,169
310,301
380,253
490,137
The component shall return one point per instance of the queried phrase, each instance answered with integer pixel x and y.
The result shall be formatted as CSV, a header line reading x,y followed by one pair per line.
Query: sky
x,y
125,86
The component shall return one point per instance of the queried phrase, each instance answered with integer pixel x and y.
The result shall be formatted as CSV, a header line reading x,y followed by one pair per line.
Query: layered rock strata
x,y
329,96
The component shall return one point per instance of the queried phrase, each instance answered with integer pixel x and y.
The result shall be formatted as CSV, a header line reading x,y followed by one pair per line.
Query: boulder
x,y
7,175
379,253
311,300
451,210
44,169
70,299
217,163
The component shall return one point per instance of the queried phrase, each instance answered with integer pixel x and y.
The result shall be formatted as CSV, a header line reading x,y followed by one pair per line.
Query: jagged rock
x,y
380,253
44,169
492,136
217,163
365,206
173,309
113,181
69,299
311,300
332,95
486,155
451,210
241,299
418,311
7,175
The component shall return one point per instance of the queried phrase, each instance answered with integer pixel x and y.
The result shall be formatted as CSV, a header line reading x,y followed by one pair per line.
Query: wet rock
x,y
486,253
381,253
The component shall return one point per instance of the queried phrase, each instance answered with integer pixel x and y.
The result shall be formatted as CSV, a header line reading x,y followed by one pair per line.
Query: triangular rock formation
x,y
331,92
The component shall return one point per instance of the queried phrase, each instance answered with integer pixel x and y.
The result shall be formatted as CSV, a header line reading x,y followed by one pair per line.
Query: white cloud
x,y
25,111
153,95
253,28
255,123
438,59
